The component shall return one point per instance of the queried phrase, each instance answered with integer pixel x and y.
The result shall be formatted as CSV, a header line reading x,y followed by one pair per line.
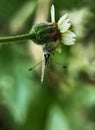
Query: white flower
x,y
67,37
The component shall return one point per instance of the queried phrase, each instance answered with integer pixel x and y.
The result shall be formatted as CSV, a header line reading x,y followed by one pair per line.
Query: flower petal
x,y
60,21
68,38
65,27
52,14
63,23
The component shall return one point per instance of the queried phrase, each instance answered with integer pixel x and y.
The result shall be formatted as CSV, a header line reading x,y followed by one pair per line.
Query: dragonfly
x,y
46,62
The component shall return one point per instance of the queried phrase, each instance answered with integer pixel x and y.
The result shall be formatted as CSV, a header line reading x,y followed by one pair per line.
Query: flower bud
x,y
44,33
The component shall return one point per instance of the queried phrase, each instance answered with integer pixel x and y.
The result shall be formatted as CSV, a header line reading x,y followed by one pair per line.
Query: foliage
x,y
66,100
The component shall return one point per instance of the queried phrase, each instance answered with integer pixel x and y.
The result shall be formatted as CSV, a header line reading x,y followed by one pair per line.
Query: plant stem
x,y
16,38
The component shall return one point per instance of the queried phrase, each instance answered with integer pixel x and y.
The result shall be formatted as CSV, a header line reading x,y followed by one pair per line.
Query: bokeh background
x,y
66,100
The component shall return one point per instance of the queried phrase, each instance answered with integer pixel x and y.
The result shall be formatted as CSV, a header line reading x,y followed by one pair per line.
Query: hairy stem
x,y
16,38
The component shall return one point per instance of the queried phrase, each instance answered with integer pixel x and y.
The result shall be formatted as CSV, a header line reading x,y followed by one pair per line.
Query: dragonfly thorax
x,y
47,53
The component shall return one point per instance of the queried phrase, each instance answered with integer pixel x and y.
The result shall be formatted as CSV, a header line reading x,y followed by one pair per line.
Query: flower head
x,y
67,37
51,34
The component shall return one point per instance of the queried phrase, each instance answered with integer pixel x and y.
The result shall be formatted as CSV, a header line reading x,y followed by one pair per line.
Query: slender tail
x,y
43,71
46,52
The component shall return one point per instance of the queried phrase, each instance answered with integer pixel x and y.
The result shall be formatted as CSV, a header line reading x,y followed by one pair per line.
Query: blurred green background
x,y
66,100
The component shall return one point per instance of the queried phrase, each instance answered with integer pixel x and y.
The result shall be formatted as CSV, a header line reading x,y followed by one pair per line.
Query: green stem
x,y
16,38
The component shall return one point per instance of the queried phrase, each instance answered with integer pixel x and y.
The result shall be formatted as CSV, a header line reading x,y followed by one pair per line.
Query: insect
x,y
45,62
46,56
